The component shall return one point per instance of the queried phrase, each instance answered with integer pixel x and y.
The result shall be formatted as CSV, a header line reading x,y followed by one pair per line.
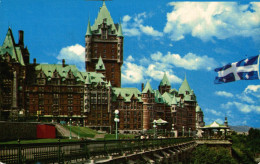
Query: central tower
x,y
105,40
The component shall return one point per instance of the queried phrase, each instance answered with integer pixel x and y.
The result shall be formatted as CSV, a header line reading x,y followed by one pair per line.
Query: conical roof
x,y
120,31
100,65
165,81
148,88
198,109
103,15
89,29
184,87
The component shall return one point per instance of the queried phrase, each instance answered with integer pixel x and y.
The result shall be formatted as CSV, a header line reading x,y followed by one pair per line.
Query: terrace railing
x,y
61,152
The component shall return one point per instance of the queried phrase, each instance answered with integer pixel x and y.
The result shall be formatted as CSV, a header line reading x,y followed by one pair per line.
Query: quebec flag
x,y
247,69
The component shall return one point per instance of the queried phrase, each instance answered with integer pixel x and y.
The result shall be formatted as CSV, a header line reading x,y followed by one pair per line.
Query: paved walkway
x,y
64,131
99,136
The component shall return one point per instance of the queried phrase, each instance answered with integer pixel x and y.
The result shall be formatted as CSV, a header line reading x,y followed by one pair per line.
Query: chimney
x,y
21,37
63,62
142,86
34,60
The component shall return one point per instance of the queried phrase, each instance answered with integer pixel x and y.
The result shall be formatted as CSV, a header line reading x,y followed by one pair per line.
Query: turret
x,y
165,85
88,40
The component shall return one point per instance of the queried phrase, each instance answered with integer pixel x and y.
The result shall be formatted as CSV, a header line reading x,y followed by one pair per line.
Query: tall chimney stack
x,y
142,86
21,38
63,62
34,60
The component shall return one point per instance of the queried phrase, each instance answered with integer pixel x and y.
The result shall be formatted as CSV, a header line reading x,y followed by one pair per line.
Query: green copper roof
x,y
63,71
148,88
89,29
158,97
169,99
109,84
94,77
184,87
165,81
100,65
120,31
103,15
126,93
215,125
10,48
198,109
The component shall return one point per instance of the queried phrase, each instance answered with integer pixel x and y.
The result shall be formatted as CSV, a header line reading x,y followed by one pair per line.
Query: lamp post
x,y
183,131
70,128
189,132
173,130
78,131
116,120
154,128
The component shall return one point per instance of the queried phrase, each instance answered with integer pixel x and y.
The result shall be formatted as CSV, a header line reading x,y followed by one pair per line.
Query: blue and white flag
x,y
247,69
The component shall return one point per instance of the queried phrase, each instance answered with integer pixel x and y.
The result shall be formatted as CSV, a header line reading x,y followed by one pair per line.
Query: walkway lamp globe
x,y
189,131
183,131
154,128
173,130
116,121
70,129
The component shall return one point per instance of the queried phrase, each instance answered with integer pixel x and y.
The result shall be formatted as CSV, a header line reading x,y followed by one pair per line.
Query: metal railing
x,y
61,152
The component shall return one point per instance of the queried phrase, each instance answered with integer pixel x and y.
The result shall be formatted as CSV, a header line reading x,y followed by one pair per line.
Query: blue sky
x,y
179,38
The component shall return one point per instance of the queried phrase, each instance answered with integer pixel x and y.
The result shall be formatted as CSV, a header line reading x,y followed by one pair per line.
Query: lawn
x,y
82,131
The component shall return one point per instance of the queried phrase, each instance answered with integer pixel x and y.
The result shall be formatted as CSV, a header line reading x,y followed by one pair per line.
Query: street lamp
x,y
78,130
154,127
173,130
189,132
70,128
116,120
183,131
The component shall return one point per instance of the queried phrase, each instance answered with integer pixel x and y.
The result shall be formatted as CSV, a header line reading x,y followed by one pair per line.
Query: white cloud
x,y
224,93
190,61
133,73
219,120
214,112
252,88
243,97
126,18
245,108
74,54
136,27
148,30
207,20
130,58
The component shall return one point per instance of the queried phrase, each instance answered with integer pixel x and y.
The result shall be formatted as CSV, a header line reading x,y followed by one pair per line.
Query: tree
x,y
205,155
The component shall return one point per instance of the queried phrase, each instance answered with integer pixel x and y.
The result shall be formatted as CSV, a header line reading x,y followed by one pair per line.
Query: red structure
x,y
46,131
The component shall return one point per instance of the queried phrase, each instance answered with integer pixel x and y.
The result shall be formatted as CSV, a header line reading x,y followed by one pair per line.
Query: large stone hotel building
x,y
59,92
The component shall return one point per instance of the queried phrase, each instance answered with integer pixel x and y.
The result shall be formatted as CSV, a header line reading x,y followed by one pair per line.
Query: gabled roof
x,y
94,77
10,48
148,88
103,14
170,99
126,93
158,97
184,87
63,71
100,65
215,125
165,81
